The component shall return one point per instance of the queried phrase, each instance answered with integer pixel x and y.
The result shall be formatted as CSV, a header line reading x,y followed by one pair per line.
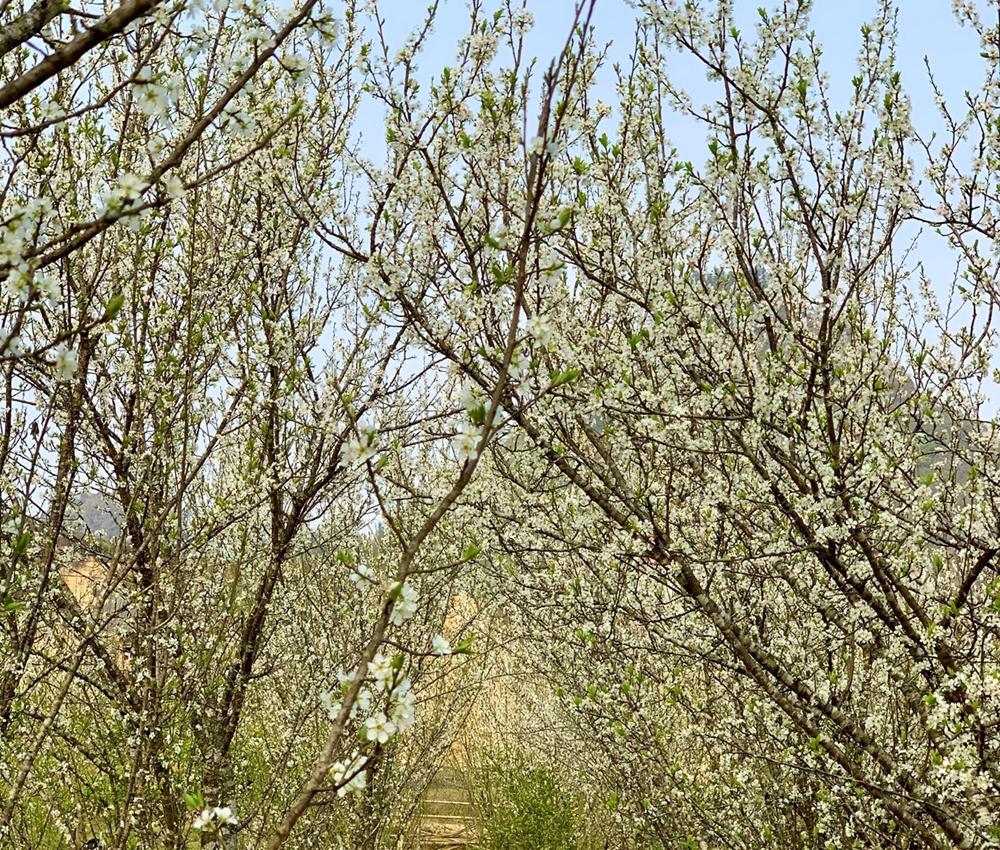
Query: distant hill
x,y
92,514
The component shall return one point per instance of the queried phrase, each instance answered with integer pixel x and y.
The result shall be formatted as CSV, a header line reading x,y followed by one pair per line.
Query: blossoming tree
x,y
177,346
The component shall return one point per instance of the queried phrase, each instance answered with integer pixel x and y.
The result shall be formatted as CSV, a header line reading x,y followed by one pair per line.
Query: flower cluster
x,y
21,285
404,605
363,577
539,329
466,442
350,775
66,361
215,817
11,345
128,188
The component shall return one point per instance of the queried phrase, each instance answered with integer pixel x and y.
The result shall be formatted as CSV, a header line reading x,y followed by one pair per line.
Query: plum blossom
x,y
173,185
539,329
11,346
440,646
466,441
297,64
521,21
379,728
350,776
363,703
19,284
359,449
332,708
363,577
405,605
499,234
520,370
471,396
52,110
536,146
404,705
131,186
380,668
48,289
222,815
329,30
128,188
153,100
66,361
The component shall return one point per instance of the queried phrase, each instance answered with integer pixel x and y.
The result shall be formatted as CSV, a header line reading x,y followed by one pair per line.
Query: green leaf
x,y
470,552
114,307
463,647
566,376
194,800
478,414
21,544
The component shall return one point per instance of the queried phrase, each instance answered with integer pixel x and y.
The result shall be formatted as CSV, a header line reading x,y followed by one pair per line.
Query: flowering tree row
x,y
703,436
246,645
748,459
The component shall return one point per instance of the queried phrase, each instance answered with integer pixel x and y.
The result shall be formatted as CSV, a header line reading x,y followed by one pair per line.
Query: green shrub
x,y
523,808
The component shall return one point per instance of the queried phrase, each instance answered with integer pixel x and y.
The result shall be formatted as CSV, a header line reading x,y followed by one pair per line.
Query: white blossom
x,y
19,284
380,667
539,328
405,604
173,185
363,577
466,442
349,776
66,362
379,728
359,449
47,286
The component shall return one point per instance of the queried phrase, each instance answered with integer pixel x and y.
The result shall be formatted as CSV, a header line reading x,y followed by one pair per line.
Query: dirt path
x,y
447,818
